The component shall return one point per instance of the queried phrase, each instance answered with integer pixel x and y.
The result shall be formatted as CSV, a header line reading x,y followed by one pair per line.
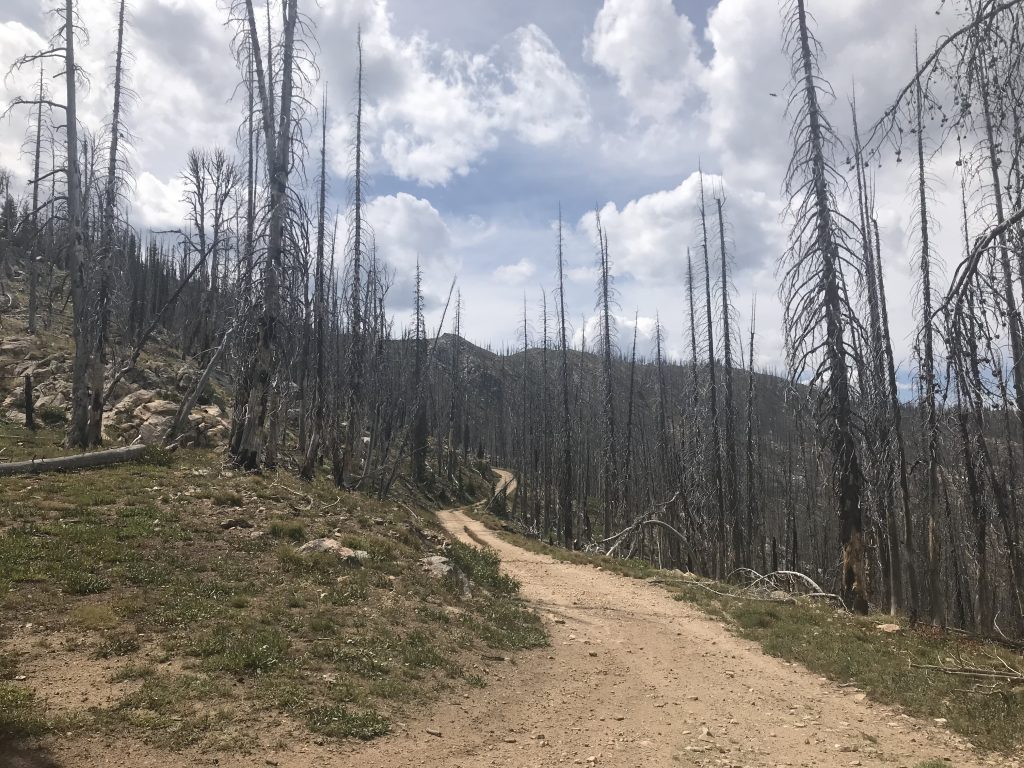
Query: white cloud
x,y
544,100
159,204
622,331
516,274
408,229
650,51
433,112
648,237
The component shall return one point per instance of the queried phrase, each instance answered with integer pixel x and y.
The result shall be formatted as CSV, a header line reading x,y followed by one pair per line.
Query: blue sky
x,y
484,115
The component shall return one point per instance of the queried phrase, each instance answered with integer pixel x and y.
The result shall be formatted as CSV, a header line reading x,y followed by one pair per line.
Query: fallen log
x,y
78,461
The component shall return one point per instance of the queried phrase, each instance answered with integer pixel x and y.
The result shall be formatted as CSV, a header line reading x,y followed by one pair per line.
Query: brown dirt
x,y
632,678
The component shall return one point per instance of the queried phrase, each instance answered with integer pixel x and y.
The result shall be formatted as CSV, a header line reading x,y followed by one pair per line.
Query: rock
x,y
437,566
131,402
433,732
155,408
888,628
235,522
153,429
333,546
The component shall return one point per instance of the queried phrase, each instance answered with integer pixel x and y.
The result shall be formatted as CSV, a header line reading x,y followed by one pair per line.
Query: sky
x,y
484,116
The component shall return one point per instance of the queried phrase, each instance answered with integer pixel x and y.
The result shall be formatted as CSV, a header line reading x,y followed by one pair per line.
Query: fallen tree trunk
x,y
79,461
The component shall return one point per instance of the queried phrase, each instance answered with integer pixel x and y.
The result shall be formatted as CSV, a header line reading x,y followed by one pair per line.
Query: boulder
x,y
153,429
155,408
437,566
333,546
129,403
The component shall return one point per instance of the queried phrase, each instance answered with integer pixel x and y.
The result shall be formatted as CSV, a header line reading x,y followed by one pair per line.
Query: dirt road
x,y
632,678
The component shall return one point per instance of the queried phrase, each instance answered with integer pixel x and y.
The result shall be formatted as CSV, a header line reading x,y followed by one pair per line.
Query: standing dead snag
x,y
818,316
565,488
731,473
610,479
249,442
713,426
926,358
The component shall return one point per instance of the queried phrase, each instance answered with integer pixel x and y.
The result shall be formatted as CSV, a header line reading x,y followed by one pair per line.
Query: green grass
x,y
339,722
21,715
483,567
206,629
287,529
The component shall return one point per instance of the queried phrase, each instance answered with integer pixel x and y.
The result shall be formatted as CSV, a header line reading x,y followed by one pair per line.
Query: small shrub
x,y
417,651
81,583
252,650
339,722
483,567
119,645
286,529
51,416
226,499
509,626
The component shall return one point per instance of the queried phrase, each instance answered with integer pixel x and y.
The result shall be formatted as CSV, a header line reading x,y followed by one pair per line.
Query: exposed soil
x,y
632,678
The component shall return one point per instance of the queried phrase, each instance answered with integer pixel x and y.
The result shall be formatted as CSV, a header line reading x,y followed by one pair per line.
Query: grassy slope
x,y
849,649
215,638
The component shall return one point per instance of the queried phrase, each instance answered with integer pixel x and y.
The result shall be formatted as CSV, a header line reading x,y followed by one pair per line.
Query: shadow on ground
x,y
17,754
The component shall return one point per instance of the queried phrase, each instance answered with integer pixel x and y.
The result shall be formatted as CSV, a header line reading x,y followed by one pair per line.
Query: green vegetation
x,y
206,628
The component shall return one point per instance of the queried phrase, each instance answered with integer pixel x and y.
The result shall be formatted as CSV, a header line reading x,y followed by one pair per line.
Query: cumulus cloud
x,y
516,274
623,327
433,112
408,229
648,237
650,50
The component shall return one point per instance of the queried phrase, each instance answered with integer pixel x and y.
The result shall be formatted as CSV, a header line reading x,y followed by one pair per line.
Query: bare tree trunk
x,y
78,429
565,495
731,474
714,431
37,239
937,602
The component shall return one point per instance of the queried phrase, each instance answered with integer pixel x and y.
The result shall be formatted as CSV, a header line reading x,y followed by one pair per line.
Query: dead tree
x,y
565,486
610,478
818,316
714,429
731,471
926,371
251,448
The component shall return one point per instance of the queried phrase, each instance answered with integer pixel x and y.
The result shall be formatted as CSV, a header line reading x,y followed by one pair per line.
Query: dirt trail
x,y
632,678
635,678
